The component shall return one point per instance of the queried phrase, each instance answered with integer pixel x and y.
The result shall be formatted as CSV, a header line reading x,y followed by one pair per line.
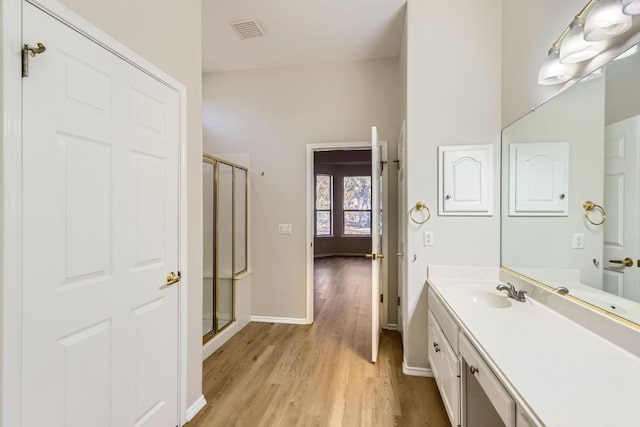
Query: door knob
x,y
627,262
173,278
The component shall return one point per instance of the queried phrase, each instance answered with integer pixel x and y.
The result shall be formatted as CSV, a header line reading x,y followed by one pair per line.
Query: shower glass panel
x,y
209,172
224,288
225,241
240,220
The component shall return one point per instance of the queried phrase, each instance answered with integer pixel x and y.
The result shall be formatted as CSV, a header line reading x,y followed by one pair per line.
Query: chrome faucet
x,y
512,292
562,290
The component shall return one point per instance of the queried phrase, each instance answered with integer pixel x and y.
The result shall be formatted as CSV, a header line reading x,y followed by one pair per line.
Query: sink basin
x,y
481,297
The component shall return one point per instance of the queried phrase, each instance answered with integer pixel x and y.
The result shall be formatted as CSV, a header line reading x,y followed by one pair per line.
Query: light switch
x,y
428,238
285,229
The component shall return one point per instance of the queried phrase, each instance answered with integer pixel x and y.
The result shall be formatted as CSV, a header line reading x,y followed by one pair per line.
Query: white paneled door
x,y
376,243
100,234
621,203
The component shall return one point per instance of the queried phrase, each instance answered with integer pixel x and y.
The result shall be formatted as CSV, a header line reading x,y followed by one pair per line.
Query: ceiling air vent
x,y
247,28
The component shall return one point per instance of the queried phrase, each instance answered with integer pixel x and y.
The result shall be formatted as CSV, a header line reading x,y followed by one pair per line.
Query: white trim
x,y
416,372
197,406
392,327
11,211
286,320
10,388
222,337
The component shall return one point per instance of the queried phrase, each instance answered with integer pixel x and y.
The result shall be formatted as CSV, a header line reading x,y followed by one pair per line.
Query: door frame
x,y
11,196
310,223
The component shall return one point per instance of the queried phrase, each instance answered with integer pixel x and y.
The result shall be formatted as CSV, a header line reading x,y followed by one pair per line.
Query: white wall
x,y
168,34
272,114
576,116
453,97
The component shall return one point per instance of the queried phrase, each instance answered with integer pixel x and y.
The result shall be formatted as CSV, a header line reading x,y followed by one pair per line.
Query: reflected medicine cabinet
x,y
224,241
539,179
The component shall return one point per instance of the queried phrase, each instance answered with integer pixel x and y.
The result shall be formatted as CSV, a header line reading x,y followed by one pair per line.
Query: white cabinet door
x,y
466,180
539,179
446,370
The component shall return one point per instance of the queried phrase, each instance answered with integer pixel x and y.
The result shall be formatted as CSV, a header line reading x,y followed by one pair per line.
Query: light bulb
x,y
631,7
575,48
605,20
553,72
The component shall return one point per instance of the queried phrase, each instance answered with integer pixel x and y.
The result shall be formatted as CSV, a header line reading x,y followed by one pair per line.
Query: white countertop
x,y
566,375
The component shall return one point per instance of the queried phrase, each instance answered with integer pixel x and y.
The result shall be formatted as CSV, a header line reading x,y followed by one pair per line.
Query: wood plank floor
x,y
318,375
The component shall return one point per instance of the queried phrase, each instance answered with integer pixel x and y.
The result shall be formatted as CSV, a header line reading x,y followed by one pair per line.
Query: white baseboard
x,y
392,326
287,320
416,372
221,338
197,406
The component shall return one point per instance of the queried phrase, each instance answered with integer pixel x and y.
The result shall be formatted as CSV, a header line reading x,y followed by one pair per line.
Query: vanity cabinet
x,y
445,365
472,394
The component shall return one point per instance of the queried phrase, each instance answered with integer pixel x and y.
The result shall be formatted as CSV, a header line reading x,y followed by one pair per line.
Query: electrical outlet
x,y
428,238
578,241
285,229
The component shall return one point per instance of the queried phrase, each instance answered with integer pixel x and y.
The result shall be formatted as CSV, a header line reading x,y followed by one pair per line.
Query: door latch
x,y
30,51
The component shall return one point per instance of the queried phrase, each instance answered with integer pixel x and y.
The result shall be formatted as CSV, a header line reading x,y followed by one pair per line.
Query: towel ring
x,y
420,206
589,206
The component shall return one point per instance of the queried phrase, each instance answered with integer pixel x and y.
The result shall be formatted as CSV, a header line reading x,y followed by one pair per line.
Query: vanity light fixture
x,y
631,7
605,20
574,48
586,38
553,72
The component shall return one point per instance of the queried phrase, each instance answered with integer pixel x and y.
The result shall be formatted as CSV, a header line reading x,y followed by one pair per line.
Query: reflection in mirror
x,y
545,233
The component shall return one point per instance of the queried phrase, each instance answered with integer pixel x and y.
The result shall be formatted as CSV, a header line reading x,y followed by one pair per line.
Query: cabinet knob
x,y
473,369
447,197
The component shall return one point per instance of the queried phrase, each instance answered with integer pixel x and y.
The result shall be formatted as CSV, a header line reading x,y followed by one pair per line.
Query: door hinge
x,y
382,163
397,162
33,51
398,300
381,298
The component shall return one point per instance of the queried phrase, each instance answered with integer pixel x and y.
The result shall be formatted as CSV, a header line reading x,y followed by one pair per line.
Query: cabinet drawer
x,y
498,396
447,324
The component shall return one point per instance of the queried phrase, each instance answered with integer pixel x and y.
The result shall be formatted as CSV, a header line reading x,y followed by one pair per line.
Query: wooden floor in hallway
x,y
320,374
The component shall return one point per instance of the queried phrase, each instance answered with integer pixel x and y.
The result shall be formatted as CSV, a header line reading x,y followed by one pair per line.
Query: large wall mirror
x,y
225,241
571,190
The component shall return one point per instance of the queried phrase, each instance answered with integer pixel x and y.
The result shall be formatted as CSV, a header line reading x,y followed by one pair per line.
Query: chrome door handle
x,y
627,262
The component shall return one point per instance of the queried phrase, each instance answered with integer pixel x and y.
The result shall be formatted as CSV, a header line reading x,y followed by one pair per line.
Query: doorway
x,y
379,244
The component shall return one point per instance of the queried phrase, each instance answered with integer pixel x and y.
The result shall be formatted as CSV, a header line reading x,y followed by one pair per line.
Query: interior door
x,y
100,234
376,242
402,225
621,205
